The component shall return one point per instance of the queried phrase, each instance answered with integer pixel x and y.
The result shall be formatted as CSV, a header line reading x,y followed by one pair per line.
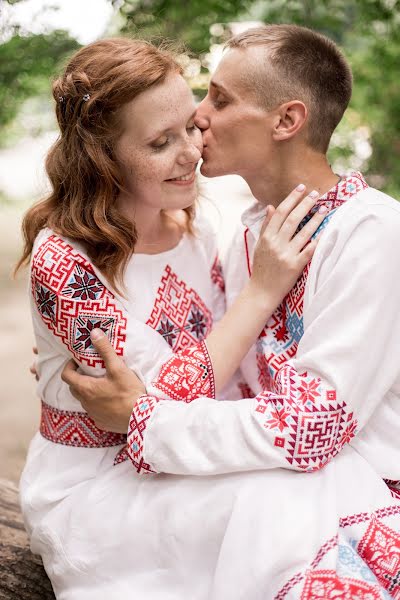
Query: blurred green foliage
x,y
26,64
367,30
188,22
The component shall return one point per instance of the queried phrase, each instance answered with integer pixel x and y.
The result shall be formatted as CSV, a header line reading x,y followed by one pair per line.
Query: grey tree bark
x,y
22,576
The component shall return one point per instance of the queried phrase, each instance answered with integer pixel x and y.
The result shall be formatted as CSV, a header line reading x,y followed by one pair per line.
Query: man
x,y
326,368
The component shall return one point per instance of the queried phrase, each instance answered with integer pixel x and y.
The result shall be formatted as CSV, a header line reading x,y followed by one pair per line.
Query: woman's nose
x,y
191,153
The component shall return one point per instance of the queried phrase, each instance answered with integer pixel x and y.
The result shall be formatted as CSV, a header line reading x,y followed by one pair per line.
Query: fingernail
x,y
301,187
323,209
314,194
96,334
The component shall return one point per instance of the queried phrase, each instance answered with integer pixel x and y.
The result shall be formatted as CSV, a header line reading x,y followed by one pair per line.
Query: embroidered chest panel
x,y
179,314
279,340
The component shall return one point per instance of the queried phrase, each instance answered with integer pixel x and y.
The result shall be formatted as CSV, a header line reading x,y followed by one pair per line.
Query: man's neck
x,y
278,180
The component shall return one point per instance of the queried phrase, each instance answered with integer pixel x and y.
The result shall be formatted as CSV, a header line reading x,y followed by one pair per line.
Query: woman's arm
x,y
279,259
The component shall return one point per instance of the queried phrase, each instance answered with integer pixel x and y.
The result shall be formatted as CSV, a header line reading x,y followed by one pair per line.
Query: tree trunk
x,y
22,576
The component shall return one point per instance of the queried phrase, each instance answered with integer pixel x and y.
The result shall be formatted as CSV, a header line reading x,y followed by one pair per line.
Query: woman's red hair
x,y
84,174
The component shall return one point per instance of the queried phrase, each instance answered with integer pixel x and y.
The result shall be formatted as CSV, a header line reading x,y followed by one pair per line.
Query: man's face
x,y
236,132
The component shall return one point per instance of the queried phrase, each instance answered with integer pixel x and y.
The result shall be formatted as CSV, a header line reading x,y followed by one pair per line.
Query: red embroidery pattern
x,y
245,390
217,276
394,487
72,301
137,426
282,333
380,549
311,424
187,375
76,429
122,455
349,521
179,314
326,584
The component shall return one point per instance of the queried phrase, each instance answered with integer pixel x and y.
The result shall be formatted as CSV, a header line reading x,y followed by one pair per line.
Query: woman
x,y
116,246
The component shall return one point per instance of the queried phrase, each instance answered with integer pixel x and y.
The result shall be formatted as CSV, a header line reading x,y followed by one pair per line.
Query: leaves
x,y
27,63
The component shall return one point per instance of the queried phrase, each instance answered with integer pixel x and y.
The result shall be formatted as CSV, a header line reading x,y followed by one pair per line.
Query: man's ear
x,y
290,119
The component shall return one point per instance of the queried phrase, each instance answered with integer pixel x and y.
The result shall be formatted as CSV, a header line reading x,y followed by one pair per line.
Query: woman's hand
x,y
281,254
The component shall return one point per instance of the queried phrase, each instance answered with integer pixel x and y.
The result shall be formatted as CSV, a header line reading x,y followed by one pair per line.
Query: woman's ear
x,y
290,120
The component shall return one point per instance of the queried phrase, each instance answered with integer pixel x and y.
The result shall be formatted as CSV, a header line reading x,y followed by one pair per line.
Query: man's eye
x,y
192,128
219,101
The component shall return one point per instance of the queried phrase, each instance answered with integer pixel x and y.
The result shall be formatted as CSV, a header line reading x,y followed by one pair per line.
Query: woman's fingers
x,y
299,212
285,209
307,253
268,216
301,238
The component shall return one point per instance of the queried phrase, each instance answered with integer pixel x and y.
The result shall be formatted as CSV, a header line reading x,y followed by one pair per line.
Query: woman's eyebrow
x,y
161,132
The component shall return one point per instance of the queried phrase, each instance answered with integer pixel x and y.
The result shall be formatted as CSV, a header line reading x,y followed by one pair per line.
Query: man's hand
x,y
108,400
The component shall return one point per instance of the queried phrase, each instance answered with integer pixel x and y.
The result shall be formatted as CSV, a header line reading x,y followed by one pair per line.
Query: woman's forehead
x,y
161,107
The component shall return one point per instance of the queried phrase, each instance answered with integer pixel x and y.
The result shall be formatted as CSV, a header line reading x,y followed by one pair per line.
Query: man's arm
x,y
347,361
280,256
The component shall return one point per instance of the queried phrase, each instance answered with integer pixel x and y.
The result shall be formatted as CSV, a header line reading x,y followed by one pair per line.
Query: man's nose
x,y
201,118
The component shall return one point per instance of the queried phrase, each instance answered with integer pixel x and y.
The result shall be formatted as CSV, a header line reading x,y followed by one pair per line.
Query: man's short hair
x,y
306,66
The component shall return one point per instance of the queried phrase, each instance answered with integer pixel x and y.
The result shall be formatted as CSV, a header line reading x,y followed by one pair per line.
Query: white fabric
x,y
105,532
350,342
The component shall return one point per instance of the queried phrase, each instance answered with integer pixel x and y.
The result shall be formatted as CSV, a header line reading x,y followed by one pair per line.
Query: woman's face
x,y
160,146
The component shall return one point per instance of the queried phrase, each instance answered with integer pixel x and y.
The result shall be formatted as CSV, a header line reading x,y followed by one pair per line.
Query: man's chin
x,y
208,169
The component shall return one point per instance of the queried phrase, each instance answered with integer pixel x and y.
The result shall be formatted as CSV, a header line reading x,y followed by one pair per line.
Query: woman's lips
x,y
188,179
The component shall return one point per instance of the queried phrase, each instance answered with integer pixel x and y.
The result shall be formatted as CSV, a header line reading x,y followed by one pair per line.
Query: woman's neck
x,y
157,232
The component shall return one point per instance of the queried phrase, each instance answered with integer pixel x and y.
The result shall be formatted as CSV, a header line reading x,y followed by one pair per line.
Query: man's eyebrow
x,y
162,132
219,86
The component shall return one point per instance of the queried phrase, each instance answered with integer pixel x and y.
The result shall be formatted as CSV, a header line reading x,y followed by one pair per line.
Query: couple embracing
x,y
227,452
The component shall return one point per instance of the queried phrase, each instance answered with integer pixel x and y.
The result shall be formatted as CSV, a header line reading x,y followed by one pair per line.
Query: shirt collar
x,y
348,186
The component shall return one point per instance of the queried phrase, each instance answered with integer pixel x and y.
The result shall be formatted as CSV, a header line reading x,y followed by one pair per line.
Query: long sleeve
x,y
70,299
347,361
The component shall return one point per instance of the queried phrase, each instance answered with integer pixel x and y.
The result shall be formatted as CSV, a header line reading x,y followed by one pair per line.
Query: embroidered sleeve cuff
x,y
140,416
187,375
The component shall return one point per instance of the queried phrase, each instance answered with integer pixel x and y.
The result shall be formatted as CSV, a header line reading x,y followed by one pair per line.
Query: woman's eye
x,y
160,143
192,128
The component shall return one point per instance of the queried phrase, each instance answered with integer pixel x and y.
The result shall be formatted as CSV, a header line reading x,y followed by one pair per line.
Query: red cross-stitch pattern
x,y
279,340
344,522
73,428
326,585
187,375
217,276
137,426
312,426
380,549
72,300
179,314
245,390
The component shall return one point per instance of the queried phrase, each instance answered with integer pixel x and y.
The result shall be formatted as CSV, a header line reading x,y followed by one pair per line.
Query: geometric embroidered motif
x,y
73,428
311,425
72,300
380,549
179,314
217,276
187,375
321,585
137,426
282,333
374,561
